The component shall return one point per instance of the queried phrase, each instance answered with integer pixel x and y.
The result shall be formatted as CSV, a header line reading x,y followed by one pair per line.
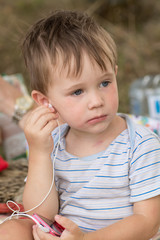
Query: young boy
x,y
107,169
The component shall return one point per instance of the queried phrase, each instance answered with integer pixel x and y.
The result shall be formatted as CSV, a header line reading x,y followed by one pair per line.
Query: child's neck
x,y
85,144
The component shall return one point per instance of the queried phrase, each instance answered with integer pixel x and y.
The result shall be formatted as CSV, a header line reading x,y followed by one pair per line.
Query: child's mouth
x,y
97,119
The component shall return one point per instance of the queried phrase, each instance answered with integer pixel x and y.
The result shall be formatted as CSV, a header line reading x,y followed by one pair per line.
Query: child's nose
x,y
95,100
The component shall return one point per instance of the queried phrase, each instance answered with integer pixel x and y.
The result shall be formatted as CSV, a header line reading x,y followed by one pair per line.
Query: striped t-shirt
x,y
98,190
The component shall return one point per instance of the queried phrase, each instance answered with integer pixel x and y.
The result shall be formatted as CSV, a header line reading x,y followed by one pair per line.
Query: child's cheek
x,y
114,96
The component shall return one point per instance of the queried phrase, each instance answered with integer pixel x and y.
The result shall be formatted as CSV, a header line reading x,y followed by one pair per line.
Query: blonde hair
x,y
65,34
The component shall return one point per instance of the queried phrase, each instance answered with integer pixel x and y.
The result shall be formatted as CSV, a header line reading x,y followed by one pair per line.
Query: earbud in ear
x,y
50,105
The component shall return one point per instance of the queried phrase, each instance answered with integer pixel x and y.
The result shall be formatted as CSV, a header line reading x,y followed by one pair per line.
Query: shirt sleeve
x,y
144,173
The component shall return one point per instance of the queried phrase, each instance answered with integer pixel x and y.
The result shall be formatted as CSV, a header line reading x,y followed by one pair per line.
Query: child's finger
x,y
41,235
38,112
67,223
35,235
52,124
40,118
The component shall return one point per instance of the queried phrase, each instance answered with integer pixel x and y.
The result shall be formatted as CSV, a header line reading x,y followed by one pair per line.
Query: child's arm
x,y
38,128
142,225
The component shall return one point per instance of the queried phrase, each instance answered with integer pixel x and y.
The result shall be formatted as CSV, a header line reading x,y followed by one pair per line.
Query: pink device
x,y
48,226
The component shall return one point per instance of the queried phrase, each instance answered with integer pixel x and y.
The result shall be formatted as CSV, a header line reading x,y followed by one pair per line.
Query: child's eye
x,y
77,92
104,84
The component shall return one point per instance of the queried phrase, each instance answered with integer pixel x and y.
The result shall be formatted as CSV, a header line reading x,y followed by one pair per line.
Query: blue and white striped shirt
x,y
98,190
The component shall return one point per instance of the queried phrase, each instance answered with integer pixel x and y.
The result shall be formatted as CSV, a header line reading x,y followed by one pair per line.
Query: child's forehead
x,y
75,68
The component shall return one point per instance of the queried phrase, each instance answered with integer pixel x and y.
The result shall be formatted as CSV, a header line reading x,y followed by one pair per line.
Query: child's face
x,y
89,102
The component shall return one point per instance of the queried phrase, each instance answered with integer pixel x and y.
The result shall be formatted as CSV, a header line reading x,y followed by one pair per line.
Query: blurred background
x,y
134,25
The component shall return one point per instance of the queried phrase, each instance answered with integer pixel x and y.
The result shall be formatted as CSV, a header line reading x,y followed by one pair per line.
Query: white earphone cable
x,y
17,212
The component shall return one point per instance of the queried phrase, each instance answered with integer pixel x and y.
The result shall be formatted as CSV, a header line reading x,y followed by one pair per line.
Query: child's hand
x,y
38,128
38,234
71,232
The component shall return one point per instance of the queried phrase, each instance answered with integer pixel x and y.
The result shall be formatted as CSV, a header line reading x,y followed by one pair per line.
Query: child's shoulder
x,y
144,137
139,133
143,131
146,125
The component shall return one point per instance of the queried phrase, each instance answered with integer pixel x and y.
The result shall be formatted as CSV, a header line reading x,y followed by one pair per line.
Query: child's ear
x,y
39,97
116,69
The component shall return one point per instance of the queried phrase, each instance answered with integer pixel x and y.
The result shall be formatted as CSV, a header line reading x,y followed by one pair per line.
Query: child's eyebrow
x,y
106,75
80,85
74,87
